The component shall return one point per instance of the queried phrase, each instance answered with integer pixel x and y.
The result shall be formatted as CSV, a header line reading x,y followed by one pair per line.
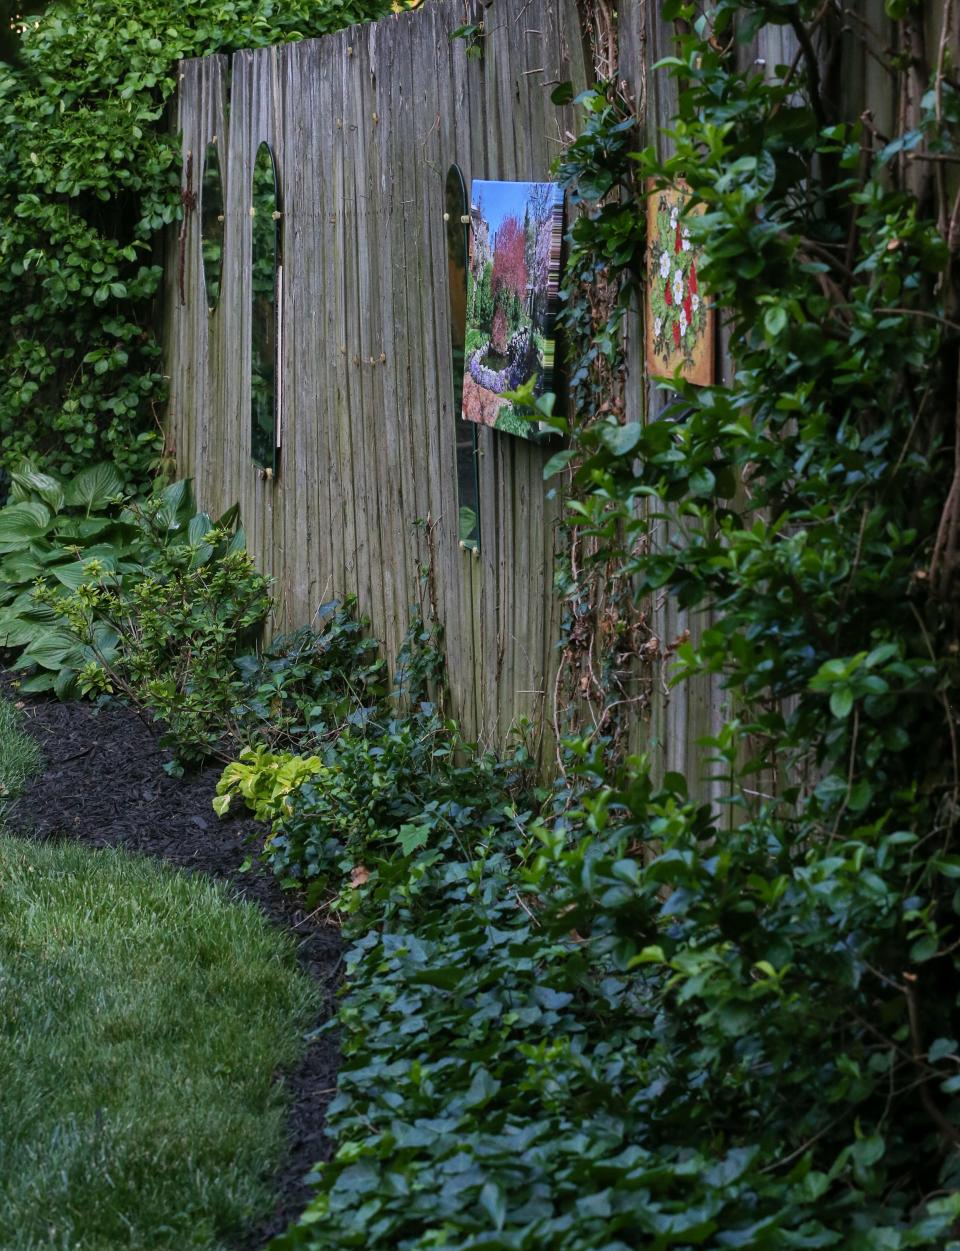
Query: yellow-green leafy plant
x,y
264,780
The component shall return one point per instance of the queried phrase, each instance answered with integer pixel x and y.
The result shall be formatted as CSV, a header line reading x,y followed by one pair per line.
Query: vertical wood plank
x,y
369,448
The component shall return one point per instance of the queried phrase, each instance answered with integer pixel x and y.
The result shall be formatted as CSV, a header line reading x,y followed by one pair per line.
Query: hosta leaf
x,y
38,684
82,527
238,542
52,650
177,505
17,631
19,523
94,488
65,684
106,639
30,482
74,573
20,567
198,526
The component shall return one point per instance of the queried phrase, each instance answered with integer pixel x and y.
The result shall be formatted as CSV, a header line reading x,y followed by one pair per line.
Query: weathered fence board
x,y
678,718
364,125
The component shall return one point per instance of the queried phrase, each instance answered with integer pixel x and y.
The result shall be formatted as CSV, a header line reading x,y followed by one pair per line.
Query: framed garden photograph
x,y
679,325
516,229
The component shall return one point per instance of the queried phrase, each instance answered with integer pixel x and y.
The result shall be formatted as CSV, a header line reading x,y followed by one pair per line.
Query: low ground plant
x,y
76,558
150,599
622,1017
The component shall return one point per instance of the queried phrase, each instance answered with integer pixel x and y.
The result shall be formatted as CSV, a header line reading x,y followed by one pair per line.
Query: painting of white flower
x,y
679,321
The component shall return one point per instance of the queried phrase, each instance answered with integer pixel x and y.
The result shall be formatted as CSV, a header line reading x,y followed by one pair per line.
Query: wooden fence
x,y
364,126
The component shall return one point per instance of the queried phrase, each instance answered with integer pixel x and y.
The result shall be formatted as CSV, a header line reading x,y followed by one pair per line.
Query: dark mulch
x,y
104,785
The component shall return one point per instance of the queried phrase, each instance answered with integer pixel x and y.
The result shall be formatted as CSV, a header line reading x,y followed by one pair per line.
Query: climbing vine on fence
x,y
813,509
89,178
617,1016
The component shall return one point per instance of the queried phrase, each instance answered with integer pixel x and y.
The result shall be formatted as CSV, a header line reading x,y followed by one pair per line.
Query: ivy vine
x,y
89,179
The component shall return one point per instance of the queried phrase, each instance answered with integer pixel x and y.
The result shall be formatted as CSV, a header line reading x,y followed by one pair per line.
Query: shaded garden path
x,y
103,785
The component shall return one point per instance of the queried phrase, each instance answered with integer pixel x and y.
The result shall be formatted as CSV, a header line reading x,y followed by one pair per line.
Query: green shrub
x,y
634,1019
396,787
553,1043
151,599
175,628
88,179
303,687
58,535
148,598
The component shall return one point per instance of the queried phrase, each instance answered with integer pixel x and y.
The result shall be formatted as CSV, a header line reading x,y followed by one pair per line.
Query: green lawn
x,y
19,755
143,1020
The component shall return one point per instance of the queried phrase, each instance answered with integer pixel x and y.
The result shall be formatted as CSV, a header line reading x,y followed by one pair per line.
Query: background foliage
x,y
610,1014
619,1016
89,178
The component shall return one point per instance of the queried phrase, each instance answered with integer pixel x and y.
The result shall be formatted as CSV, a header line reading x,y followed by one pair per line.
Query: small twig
x,y
804,1146
76,755
951,728
920,312
526,909
946,24
936,1115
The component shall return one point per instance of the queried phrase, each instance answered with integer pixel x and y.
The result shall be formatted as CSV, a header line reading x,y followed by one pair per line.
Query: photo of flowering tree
x,y
680,329
515,234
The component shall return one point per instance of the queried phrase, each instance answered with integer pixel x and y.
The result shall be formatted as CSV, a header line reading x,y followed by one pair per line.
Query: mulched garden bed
x,y
104,785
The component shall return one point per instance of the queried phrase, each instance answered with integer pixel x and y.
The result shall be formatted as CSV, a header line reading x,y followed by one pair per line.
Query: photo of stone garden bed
x,y
511,287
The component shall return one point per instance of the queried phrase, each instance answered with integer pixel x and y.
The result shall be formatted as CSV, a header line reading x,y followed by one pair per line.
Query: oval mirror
x,y
265,214
455,210
211,223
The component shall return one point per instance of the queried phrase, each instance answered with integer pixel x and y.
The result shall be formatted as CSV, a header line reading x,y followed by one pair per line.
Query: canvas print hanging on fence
x,y
680,329
516,230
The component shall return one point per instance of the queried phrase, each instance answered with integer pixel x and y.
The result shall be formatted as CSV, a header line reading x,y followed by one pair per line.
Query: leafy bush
x,y
303,687
634,1019
151,599
553,1043
175,624
263,779
148,598
89,176
390,778
394,787
60,534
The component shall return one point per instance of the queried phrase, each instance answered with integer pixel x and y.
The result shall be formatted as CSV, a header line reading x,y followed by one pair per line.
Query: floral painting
x,y
680,328
515,234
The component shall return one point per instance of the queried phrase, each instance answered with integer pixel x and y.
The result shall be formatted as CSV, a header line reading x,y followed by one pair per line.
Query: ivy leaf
x,y
941,1048
562,93
494,1203
412,837
558,461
